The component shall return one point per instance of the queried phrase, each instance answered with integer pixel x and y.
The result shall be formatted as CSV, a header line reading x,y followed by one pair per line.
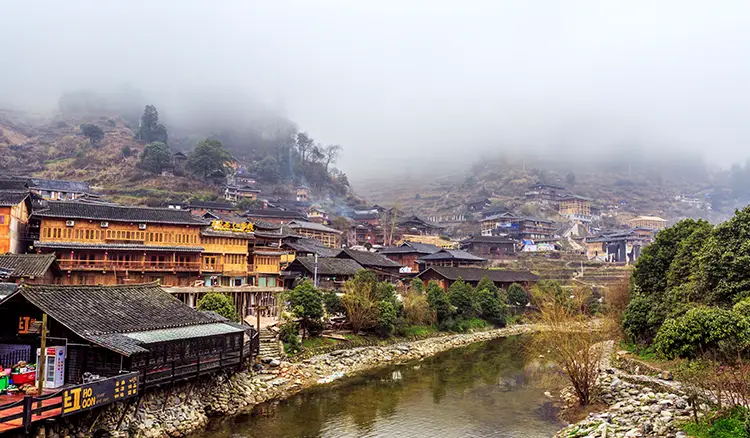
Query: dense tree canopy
x,y
150,129
155,157
92,132
306,303
219,303
208,157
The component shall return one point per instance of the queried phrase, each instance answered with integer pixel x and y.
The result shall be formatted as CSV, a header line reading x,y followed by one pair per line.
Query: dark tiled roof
x,y
110,212
7,289
419,222
274,213
211,205
304,225
452,254
114,246
365,215
26,265
488,239
14,184
423,247
476,274
263,225
411,248
59,185
369,259
311,246
102,314
10,198
329,265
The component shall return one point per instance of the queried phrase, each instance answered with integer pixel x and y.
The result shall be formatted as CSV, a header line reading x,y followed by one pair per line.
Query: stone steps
x,y
269,344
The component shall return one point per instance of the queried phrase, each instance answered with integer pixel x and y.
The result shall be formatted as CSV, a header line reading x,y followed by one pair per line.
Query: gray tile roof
x,y
329,265
369,259
452,254
121,213
9,198
311,246
476,274
296,224
26,265
410,248
115,246
59,185
106,315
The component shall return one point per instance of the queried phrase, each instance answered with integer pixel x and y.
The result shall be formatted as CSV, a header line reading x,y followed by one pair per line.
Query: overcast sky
x,y
410,78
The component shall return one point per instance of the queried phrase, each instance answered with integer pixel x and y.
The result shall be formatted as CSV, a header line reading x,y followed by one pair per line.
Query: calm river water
x,y
484,390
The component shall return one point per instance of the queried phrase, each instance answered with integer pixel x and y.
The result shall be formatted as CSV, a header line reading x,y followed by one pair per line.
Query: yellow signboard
x,y
245,227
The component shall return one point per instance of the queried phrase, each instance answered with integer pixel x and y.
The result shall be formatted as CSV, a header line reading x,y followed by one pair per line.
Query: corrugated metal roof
x,y
177,333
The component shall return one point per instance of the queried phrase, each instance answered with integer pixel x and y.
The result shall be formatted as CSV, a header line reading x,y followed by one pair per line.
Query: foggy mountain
x,y
428,85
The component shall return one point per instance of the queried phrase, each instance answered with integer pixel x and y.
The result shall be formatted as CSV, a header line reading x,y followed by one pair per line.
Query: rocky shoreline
x,y
187,407
639,405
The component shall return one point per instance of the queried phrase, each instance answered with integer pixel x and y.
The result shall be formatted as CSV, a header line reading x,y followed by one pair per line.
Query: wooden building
x,y
275,215
317,215
518,227
446,276
650,222
492,247
199,208
364,233
328,236
29,268
108,330
224,260
450,257
385,268
576,207
303,193
408,254
266,254
331,272
113,244
51,189
616,246
417,225
15,208
238,193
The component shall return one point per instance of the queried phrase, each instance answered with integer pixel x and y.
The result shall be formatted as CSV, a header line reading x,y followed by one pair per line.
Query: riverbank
x,y
639,405
187,407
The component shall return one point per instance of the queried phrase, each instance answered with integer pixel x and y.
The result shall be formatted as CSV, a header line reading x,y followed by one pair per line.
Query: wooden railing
x,y
114,265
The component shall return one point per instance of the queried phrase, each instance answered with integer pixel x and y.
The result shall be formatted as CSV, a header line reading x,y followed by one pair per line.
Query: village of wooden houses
x,y
106,296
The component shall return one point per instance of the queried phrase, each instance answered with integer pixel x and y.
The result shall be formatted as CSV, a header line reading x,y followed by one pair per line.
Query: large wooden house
x,y
111,244
446,276
493,247
328,236
108,330
385,268
15,208
330,272
450,257
408,253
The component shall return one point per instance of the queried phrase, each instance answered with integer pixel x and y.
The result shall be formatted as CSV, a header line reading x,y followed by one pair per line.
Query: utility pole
x,y
315,271
42,359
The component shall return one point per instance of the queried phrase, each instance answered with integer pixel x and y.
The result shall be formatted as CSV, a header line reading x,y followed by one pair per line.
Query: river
x,y
483,390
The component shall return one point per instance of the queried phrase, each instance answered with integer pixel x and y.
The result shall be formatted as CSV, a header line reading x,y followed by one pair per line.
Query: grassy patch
x,y
414,331
730,425
313,343
466,325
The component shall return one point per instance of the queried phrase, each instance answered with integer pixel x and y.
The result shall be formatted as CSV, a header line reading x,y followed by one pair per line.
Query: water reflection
x,y
479,391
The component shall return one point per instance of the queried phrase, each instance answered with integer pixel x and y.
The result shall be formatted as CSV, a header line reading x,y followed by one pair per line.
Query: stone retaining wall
x,y
185,408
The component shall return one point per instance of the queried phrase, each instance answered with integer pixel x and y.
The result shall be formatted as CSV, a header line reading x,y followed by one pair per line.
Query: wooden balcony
x,y
113,265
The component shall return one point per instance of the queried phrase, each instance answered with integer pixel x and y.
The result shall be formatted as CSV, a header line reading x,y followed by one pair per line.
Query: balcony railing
x,y
114,265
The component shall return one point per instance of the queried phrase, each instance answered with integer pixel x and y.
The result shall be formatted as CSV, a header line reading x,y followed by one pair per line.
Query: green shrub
x,y
703,330
333,303
289,335
386,318
437,298
463,297
517,296
743,307
638,322
417,310
306,302
219,303
465,325
491,309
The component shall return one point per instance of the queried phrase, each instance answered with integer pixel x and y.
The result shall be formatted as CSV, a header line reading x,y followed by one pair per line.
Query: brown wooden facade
x,y
15,208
